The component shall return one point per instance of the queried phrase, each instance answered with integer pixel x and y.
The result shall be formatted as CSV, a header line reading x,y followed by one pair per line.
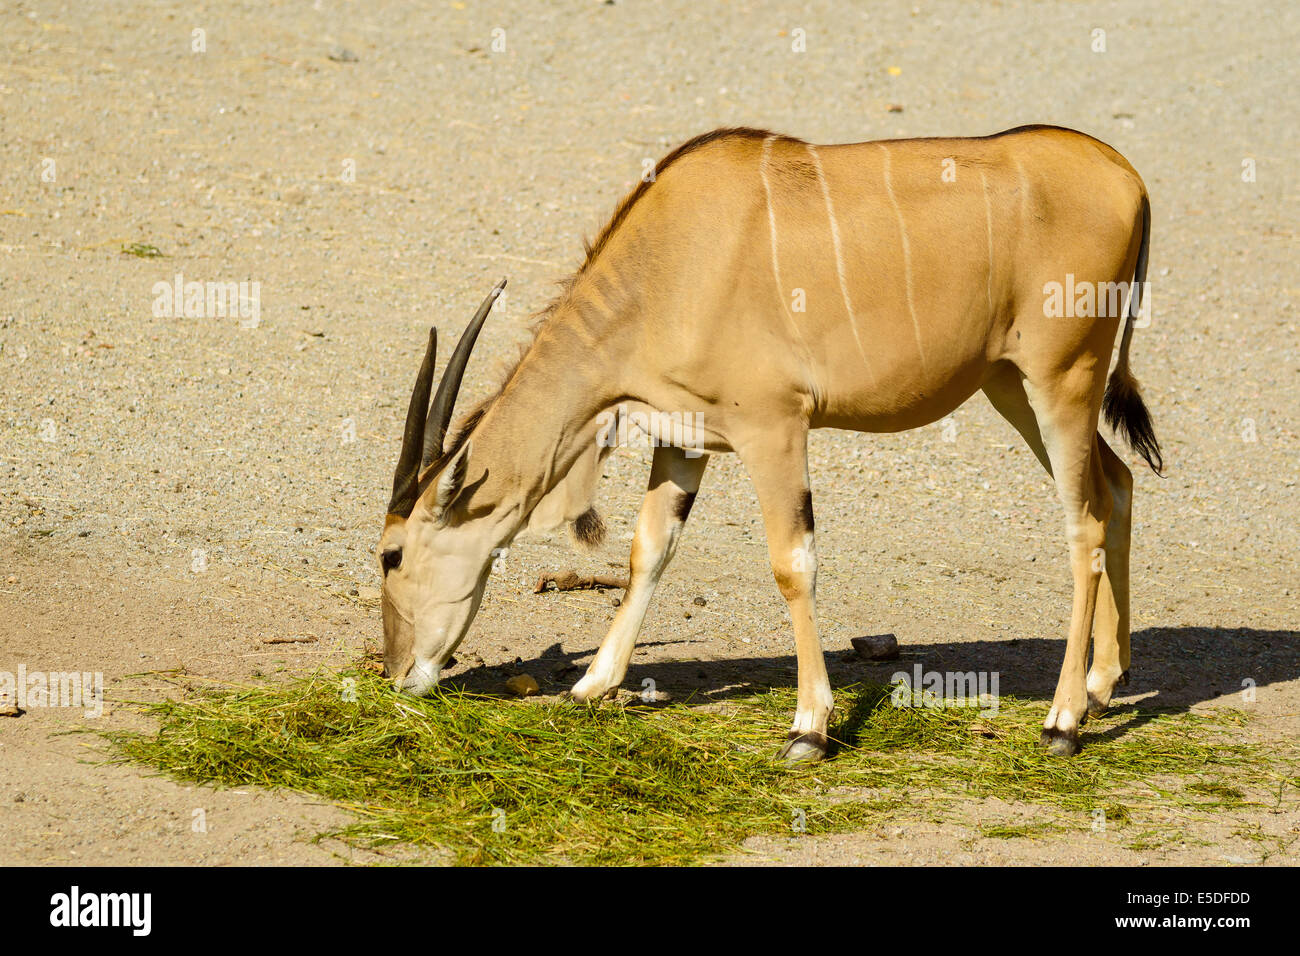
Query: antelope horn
x,y
408,462
435,426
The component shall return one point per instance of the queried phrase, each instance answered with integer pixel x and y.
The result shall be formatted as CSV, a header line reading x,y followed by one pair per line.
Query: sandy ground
x,y
175,492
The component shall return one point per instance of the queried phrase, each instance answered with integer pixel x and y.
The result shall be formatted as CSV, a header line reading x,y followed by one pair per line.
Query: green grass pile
x,y
495,780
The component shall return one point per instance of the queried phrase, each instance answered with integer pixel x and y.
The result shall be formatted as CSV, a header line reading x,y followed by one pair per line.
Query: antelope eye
x,y
391,558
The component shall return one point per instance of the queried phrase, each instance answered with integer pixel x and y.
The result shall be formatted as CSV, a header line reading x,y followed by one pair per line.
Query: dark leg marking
x,y
806,515
682,507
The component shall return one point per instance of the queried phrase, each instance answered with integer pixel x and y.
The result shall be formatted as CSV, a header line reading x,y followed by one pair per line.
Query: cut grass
x,y
1016,831
142,250
504,781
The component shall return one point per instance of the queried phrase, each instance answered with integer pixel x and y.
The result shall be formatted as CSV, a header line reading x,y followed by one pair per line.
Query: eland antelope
x,y
771,286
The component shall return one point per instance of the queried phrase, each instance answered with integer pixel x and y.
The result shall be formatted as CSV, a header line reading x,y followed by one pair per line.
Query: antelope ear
x,y
450,484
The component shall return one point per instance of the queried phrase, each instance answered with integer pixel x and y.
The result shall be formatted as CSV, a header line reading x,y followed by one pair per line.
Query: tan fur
x,y
571,500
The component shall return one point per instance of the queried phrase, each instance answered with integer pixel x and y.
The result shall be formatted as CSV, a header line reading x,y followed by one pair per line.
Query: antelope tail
x,y
1122,405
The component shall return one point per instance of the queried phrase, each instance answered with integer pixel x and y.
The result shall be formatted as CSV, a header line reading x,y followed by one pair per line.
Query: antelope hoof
x,y
1060,743
803,748
587,691
1101,691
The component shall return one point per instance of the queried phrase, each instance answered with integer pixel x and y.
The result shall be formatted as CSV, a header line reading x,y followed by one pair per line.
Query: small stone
x,y
341,54
12,579
876,647
368,593
8,709
699,601
521,685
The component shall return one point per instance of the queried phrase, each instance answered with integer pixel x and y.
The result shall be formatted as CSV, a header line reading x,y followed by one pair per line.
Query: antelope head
x,y
434,558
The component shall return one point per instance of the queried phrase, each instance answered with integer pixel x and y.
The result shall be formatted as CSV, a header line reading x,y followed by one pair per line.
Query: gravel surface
x,y
176,491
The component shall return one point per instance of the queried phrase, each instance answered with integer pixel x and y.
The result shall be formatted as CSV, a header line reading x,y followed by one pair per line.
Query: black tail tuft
x,y
1127,414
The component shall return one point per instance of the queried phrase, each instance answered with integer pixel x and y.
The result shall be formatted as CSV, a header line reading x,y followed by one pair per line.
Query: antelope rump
x,y
769,286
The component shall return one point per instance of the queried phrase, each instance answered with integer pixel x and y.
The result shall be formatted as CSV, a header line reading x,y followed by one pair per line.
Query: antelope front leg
x,y
674,480
779,470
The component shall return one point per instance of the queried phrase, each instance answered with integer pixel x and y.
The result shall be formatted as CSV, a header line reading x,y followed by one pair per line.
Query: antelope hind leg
x,y
1071,439
1110,643
1062,434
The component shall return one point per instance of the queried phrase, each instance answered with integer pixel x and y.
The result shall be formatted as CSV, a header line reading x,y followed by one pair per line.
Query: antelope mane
x,y
570,501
